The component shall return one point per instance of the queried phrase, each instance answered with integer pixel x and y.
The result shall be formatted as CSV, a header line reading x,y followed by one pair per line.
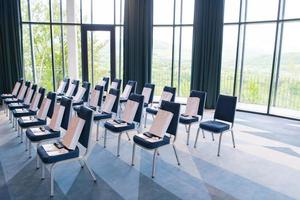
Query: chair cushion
x,y
100,116
185,120
19,106
23,114
214,126
52,159
152,111
112,128
151,145
50,134
33,122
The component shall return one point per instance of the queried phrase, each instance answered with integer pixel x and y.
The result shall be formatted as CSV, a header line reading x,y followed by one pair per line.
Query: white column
x,y
72,41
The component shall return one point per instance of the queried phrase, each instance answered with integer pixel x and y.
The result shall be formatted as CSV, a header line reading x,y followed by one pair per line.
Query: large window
x,y
52,43
261,55
172,44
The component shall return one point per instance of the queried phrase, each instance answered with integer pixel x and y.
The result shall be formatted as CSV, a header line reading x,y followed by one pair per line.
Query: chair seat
x,y
112,128
19,106
14,100
190,120
152,111
33,122
6,96
78,103
49,135
60,157
100,116
26,113
214,126
151,145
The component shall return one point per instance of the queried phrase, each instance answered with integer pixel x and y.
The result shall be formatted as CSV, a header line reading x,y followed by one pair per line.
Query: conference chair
x,y
129,89
82,94
63,87
148,92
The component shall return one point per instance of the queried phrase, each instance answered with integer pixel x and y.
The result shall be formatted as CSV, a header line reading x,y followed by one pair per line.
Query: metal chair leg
x,y
196,137
153,163
128,136
212,136
105,134
90,170
119,141
52,180
97,135
43,171
26,144
232,136
203,133
133,154
176,154
21,135
145,124
188,134
37,162
81,163
220,138
29,148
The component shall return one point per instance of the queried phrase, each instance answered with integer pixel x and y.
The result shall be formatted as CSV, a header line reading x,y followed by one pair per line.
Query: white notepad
x,y
19,110
146,93
61,87
130,111
16,88
114,85
165,96
52,150
109,103
70,90
192,106
94,98
28,97
38,131
72,135
42,113
126,92
35,102
57,117
79,94
115,124
161,123
15,104
26,119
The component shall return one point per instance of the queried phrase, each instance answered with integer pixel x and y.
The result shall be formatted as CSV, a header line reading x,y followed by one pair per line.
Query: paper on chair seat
x,y
114,85
16,88
126,92
15,104
94,98
79,94
42,113
115,124
152,139
35,101
61,87
192,106
28,97
130,111
161,123
165,96
72,135
109,103
38,131
146,93
19,110
70,90
26,119
52,150
57,117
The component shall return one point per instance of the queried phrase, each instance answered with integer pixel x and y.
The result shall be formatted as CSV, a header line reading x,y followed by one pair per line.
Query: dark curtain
x,y
10,45
207,48
138,41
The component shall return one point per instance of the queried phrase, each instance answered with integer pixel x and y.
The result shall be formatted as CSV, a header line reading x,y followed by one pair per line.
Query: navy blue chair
x,y
14,93
106,79
65,89
20,97
166,140
50,134
100,116
153,111
194,119
85,97
129,126
36,122
28,98
69,93
152,87
223,119
70,155
133,89
118,82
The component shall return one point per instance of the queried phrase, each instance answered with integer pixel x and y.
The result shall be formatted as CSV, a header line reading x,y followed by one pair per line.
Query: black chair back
x,y
76,83
106,79
225,110
152,87
202,96
34,88
175,109
171,90
66,102
86,114
140,100
27,84
52,97
133,86
42,91
100,88
116,104
67,81
19,89
87,87
119,81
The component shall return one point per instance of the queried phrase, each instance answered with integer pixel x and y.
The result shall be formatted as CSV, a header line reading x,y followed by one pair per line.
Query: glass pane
x,y
228,58
27,53
86,12
186,61
42,55
39,11
232,10
163,11
24,10
71,10
58,58
259,10
188,12
103,11
287,94
162,58
55,10
119,52
256,73
292,9
176,59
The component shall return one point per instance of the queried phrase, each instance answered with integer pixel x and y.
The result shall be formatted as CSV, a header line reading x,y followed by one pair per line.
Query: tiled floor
x,y
264,165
